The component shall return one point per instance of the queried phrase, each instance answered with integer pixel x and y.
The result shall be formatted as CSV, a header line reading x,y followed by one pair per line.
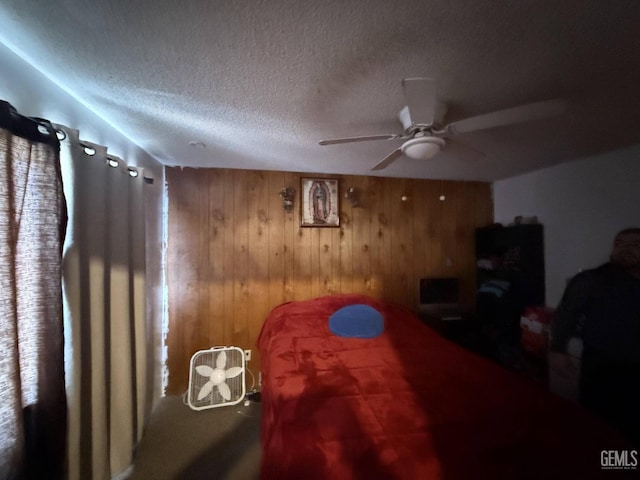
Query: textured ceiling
x,y
260,82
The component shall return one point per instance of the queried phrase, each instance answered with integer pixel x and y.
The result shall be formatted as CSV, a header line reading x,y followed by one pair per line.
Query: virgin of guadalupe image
x,y
319,202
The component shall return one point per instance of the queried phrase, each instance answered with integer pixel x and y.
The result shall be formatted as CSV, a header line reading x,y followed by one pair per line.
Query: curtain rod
x,y
32,128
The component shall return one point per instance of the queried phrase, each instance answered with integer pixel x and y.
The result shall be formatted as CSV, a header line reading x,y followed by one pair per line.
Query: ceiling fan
x,y
422,118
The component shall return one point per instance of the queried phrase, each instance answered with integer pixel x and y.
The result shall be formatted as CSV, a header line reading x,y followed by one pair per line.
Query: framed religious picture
x,y
319,202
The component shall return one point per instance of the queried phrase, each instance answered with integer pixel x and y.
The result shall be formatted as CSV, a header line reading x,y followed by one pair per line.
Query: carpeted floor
x,y
180,443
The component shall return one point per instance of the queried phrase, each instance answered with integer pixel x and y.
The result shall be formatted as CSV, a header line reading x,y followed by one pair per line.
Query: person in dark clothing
x,y
604,303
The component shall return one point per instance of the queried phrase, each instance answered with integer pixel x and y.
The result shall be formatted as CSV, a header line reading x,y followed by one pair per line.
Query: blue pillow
x,y
357,321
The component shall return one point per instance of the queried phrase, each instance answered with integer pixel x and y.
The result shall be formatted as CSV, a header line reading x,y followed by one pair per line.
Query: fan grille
x,y
198,381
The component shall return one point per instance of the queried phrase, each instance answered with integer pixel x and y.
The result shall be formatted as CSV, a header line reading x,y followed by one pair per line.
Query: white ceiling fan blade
x,y
520,114
420,96
225,391
466,146
359,139
221,361
388,160
205,390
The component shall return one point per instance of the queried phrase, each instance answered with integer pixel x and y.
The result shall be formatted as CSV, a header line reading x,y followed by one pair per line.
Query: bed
x,y
408,404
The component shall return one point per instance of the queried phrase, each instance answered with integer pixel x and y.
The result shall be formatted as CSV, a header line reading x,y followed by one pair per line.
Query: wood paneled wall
x,y
233,252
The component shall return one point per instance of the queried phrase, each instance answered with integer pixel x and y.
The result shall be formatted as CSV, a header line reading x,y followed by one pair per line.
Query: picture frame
x,y
319,202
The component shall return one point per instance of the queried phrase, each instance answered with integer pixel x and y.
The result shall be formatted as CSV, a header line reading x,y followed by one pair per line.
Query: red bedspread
x,y
408,405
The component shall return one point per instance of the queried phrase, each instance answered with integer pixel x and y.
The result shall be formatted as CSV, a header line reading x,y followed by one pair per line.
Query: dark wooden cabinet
x,y
510,277
515,253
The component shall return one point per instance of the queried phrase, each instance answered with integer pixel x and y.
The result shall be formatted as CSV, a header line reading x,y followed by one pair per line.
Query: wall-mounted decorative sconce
x,y
287,194
352,195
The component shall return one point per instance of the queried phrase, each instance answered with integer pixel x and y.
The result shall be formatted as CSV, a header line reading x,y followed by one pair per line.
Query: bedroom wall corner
x,y
582,205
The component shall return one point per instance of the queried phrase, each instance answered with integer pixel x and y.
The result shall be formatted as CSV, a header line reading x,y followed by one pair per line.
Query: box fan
x,y
216,378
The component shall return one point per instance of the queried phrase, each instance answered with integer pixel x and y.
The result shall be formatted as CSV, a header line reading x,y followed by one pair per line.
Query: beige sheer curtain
x,y
104,295
32,400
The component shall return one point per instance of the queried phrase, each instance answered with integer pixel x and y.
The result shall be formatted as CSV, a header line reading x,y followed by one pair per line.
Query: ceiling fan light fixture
x,y
422,148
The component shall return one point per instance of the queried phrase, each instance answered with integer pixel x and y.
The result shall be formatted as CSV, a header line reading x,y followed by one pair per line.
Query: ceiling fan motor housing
x,y
404,116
